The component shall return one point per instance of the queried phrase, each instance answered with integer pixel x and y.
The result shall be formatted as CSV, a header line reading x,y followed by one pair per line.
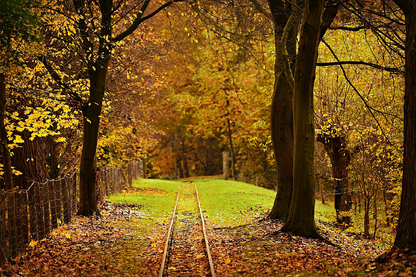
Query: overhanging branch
x,y
55,76
373,65
139,19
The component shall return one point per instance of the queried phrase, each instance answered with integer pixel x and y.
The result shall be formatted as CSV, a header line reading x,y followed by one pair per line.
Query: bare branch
x,y
261,9
139,19
373,65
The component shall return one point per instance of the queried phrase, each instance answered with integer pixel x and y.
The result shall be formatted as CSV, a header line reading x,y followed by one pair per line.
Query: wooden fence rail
x,y
31,214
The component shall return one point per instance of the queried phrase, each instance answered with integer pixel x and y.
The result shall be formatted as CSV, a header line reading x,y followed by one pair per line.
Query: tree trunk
x,y
30,160
232,151
282,115
366,217
406,235
335,146
225,159
301,215
7,164
91,115
185,166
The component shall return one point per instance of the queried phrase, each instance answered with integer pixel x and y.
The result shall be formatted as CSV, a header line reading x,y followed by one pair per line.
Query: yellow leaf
x,y
33,243
227,261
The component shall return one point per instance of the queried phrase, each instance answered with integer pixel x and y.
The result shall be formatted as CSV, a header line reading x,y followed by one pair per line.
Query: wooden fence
x,y
31,214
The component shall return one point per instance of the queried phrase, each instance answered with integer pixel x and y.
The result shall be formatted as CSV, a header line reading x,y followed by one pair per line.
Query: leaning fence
x,y
31,214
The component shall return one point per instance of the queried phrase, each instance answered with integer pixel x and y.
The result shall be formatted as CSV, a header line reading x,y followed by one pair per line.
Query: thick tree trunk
x,y
7,164
30,160
91,114
406,235
282,138
282,115
340,159
301,215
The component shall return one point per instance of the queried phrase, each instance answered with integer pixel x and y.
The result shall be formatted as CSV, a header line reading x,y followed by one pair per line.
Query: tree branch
x,y
55,76
261,9
373,65
285,55
139,19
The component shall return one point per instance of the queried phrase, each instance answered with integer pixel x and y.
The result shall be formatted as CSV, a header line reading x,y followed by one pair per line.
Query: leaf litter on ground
x,y
124,241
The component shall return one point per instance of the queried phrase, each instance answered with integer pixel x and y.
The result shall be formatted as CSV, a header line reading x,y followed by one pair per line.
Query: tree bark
x,y
335,146
225,160
406,235
282,115
30,160
7,164
231,150
301,215
91,118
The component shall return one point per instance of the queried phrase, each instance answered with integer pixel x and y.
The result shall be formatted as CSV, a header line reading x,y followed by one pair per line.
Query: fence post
x,y
129,175
32,210
46,209
65,200
11,219
58,200
3,226
24,217
74,193
40,222
53,204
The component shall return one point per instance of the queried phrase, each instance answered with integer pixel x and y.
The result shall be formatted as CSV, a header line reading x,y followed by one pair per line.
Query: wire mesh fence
x,y
31,214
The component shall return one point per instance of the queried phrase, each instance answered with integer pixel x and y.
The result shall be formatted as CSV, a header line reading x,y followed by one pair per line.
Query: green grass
x,y
230,203
157,196
226,203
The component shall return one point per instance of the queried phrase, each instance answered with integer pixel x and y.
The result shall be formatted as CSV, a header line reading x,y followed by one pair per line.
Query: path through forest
x,y
124,241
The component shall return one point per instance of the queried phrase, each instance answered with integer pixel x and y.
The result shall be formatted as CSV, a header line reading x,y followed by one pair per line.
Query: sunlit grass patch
x,y
156,196
230,203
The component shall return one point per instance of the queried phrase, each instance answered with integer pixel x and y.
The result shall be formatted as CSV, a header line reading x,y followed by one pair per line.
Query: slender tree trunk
x,y
225,159
375,214
366,217
231,150
301,215
7,164
406,235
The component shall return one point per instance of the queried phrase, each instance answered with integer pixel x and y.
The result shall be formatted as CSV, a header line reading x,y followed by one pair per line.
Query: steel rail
x,y
211,264
165,252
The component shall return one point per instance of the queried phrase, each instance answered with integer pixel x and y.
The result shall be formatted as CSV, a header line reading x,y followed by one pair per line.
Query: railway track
x,y
187,251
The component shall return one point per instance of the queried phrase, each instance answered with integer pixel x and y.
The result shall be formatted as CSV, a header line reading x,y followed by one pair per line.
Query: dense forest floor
x,y
128,241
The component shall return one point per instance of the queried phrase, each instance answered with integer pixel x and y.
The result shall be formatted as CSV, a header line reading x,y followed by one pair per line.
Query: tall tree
x,y
281,110
102,25
301,215
18,23
406,235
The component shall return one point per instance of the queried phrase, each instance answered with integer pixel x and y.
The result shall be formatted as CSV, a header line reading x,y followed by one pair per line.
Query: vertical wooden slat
x,y
11,219
3,227
46,207
65,200
32,211
58,200
40,222
74,193
53,204
24,218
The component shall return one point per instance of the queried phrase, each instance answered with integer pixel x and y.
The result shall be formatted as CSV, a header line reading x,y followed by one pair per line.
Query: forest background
x,y
190,80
